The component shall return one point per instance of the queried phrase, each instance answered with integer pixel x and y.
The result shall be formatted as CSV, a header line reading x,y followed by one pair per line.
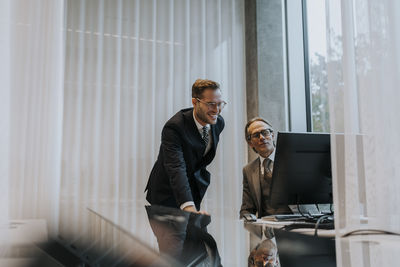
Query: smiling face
x,y
263,145
207,114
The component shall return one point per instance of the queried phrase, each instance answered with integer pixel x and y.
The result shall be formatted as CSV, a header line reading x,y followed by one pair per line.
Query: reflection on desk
x,y
183,236
264,254
302,250
93,241
291,248
133,217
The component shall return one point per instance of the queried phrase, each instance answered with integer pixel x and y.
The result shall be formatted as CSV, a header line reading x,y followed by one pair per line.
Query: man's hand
x,y
203,212
193,209
190,209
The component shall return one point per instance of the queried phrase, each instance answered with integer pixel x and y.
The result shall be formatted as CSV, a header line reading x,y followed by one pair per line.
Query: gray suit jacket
x,y
251,199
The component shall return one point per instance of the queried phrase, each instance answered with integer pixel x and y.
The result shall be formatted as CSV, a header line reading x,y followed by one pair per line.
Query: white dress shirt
x,y
200,129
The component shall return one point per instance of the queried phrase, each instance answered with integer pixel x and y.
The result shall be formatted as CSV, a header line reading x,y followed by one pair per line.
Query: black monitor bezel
x,y
287,190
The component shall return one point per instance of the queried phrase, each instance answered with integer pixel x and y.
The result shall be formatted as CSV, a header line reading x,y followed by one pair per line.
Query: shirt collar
x,y
271,157
199,126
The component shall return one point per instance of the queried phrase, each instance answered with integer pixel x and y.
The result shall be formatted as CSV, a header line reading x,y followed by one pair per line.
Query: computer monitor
x,y
302,169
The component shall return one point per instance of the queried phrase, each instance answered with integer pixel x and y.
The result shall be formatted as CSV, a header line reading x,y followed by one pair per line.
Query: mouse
x,y
250,217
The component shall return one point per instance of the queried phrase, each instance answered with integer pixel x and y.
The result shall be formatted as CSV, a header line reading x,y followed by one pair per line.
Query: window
x,y
314,12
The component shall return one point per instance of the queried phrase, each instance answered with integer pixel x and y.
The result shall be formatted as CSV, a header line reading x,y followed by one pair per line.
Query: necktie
x,y
265,183
266,179
268,165
205,135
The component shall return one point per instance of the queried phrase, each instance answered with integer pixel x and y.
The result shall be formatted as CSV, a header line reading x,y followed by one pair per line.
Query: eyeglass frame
x,y
256,135
210,105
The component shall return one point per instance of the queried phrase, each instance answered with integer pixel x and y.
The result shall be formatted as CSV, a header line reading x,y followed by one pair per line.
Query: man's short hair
x,y
246,133
200,85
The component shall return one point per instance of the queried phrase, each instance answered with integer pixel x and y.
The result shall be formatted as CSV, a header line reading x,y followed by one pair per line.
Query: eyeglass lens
x,y
213,105
265,133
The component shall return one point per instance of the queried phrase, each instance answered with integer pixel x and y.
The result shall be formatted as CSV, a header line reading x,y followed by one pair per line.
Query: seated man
x,y
257,175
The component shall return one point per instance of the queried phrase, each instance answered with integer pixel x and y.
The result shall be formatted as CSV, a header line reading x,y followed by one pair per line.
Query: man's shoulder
x,y
179,117
220,122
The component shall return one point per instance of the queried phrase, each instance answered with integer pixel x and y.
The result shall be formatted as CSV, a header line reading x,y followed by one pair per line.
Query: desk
x,y
298,247
368,250
280,225
352,251
18,243
133,219
182,237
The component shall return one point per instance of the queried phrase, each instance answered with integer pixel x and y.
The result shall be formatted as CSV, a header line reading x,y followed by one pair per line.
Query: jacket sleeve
x,y
175,165
248,205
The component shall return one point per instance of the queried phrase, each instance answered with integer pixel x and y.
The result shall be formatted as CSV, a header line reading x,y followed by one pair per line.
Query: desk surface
x,y
361,249
105,218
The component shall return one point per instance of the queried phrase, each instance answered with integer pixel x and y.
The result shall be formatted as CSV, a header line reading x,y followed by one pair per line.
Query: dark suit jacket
x,y
179,174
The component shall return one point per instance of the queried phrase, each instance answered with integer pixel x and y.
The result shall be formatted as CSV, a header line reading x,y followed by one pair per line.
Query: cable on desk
x,y
320,219
305,215
299,210
372,232
298,225
316,205
312,223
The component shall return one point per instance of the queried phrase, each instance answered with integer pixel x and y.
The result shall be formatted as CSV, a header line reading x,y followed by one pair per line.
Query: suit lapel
x,y
214,138
193,132
255,180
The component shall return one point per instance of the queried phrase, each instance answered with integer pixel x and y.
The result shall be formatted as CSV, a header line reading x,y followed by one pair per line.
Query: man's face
x,y
265,254
205,111
264,145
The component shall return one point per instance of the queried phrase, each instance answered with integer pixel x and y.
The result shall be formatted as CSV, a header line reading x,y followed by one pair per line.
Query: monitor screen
x,y
302,169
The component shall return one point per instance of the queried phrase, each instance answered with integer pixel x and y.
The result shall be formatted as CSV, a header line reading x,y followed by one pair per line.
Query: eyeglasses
x,y
266,133
213,105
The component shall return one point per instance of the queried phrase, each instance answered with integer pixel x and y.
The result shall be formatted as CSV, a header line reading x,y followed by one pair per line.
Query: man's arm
x,y
248,205
175,165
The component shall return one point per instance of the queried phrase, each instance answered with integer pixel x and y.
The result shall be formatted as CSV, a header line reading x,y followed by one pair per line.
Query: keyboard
x,y
291,217
298,225
283,217
287,217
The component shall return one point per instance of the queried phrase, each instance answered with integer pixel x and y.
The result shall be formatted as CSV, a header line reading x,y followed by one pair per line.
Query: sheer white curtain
x,y
86,89
31,107
129,67
364,78
4,111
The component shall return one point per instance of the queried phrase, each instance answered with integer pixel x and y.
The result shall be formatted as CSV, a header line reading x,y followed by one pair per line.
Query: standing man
x,y
257,175
188,144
